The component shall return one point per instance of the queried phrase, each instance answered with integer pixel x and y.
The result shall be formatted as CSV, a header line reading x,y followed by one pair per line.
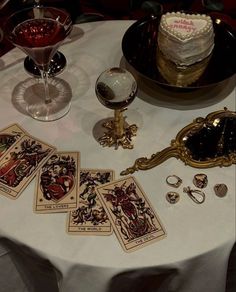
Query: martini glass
x,y
57,63
116,89
39,31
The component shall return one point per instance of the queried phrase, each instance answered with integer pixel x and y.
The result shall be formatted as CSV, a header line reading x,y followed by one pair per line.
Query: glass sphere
x,y
116,88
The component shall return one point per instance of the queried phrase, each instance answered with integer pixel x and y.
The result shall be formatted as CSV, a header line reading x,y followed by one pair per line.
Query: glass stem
x,y
44,75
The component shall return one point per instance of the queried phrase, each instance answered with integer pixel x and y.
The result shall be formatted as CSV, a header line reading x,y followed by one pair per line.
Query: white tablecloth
x,y
194,255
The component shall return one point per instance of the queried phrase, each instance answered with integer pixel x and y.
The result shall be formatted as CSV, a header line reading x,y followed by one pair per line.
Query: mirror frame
x,y
178,149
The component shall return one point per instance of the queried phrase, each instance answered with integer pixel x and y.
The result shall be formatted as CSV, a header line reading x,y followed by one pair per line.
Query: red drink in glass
x,y
39,38
39,31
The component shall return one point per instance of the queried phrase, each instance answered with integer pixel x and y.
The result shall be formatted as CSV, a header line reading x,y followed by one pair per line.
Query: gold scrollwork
x,y
179,150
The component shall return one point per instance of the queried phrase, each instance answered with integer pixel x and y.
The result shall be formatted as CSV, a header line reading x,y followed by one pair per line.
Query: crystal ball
x,y
116,88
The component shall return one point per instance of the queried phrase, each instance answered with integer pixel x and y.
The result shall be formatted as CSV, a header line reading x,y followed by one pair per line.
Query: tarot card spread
x,y
132,217
57,183
90,217
20,163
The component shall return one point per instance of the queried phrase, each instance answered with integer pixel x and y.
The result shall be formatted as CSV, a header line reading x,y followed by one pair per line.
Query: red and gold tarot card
x,y
57,183
90,217
131,214
19,164
9,136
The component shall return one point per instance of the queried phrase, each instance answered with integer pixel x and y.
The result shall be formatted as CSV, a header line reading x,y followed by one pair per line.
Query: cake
x,y
181,76
185,43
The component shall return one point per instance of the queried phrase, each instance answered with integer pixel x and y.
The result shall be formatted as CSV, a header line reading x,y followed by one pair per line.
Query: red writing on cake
x,y
183,24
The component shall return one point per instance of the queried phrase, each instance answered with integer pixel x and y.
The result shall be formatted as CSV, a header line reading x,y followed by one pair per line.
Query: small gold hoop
x,y
173,181
196,195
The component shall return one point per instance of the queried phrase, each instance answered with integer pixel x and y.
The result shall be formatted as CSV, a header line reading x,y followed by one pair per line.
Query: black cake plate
x,y
139,45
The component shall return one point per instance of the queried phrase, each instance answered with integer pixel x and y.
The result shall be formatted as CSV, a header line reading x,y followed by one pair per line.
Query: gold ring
x,y
173,181
172,197
200,180
221,190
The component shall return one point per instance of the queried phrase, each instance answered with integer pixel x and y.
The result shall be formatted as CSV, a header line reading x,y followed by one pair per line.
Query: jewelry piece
x,y
220,190
196,195
173,181
200,180
172,197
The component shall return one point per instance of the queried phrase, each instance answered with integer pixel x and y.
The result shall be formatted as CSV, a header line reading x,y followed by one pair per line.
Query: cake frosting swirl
x,y
185,38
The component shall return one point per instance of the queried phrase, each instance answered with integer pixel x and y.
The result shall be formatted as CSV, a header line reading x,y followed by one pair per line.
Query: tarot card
x,y
131,214
90,217
20,164
57,183
9,136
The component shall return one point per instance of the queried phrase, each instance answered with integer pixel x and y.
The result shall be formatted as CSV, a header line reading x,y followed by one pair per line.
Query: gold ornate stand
x,y
119,133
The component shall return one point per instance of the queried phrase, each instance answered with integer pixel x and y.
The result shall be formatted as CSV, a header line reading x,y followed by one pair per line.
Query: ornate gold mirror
x,y
206,142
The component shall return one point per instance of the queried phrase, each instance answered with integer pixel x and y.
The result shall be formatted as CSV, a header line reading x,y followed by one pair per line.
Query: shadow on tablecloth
x,y
150,279
24,271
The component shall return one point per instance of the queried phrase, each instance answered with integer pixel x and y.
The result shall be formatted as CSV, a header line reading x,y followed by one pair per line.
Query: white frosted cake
x,y
185,38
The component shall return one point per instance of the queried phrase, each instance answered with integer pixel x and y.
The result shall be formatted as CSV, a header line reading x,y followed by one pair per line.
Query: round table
x,y
194,254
